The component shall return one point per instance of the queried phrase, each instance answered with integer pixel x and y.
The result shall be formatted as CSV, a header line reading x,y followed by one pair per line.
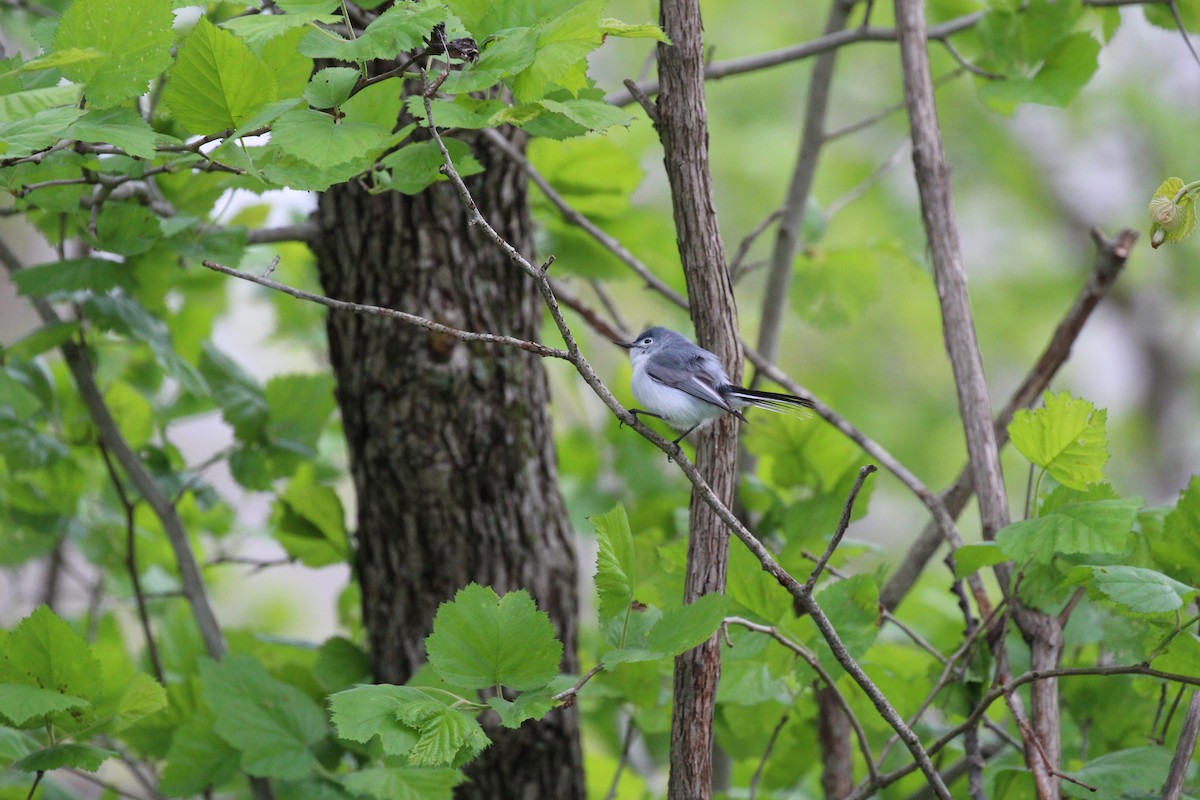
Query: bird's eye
x,y
647,340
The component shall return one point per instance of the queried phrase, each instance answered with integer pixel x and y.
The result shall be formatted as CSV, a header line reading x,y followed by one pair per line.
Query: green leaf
x,y
1065,437
217,82
40,340
299,404
972,557
614,563
1065,71
530,705
135,38
133,412
481,640
1176,547
310,522
562,45
340,663
852,606
449,738
43,651
404,783
364,712
645,30
753,588
415,166
678,630
508,53
21,703
23,105
1142,591
594,115
464,112
1172,213
1122,774
242,401
70,754
59,58
272,723
124,314
141,697
72,275
314,138
122,127
402,27
22,137
198,757
331,87
257,29
1100,526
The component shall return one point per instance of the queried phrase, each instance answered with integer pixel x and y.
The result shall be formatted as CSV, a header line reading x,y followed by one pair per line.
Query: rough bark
x,y
837,754
450,444
683,129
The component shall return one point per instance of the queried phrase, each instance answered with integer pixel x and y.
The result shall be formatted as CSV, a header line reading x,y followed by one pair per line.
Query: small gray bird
x,y
686,386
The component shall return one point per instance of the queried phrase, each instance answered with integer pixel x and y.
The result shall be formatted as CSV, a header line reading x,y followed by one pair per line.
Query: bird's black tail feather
x,y
771,401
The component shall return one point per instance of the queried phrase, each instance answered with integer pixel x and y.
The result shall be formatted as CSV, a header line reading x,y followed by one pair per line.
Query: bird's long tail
x,y
771,401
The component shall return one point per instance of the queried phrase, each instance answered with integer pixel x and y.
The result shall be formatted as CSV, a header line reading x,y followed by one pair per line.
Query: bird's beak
x,y
628,346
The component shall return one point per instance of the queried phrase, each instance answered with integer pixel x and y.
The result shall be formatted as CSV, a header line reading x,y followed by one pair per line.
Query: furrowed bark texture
x,y
683,129
1042,632
450,442
837,752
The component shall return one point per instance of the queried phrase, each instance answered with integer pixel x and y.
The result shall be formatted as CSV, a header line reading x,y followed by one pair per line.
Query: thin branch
x,y
835,207
404,316
885,112
626,743
814,663
843,523
1173,787
736,264
762,762
81,371
567,696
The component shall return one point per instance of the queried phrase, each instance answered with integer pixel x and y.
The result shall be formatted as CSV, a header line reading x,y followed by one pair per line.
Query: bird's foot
x,y
635,412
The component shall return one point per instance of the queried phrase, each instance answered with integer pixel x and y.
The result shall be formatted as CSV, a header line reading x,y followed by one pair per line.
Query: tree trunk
x,y
450,443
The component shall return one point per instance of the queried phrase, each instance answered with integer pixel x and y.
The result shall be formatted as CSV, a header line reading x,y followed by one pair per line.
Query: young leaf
x,y
314,137
417,165
1065,437
1100,526
310,522
272,723
614,563
134,38
217,83
530,705
562,45
20,703
43,651
141,697
1142,591
481,640
1172,213
364,712
449,738
331,87
615,27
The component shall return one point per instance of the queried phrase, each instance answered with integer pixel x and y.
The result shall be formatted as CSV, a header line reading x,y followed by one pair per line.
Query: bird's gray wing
x,y
698,373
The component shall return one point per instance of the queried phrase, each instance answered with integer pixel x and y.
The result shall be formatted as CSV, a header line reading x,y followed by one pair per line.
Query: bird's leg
x,y
636,411
685,433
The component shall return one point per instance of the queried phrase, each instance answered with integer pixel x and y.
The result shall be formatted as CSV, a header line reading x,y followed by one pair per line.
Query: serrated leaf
x,y
331,87
242,401
70,754
1065,71
310,522
40,340
594,115
135,38
972,557
465,113
1176,547
1140,590
73,275
23,105
300,405
22,137
217,82
314,138
404,783
257,29
449,738
625,30
852,606
20,703
122,127
753,588
562,45
507,54
43,651
364,712
1100,526
340,663
401,28
1066,437
270,722
122,313
678,630
530,705
1123,774
198,757
141,697
417,165
614,564
481,640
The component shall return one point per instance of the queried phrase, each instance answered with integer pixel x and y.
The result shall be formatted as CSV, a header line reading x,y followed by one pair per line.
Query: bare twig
x,y
567,696
736,264
843,523
626,743
1173,787
762,762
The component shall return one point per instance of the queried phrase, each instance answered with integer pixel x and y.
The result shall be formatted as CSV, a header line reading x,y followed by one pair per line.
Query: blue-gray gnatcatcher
x,y
685,385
